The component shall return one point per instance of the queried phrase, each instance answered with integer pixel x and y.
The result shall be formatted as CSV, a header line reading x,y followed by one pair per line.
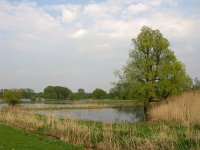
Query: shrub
x,y
12,97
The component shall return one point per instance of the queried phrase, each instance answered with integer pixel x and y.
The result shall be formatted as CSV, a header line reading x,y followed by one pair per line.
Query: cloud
x,y
68,16
79,34
85,37
137,8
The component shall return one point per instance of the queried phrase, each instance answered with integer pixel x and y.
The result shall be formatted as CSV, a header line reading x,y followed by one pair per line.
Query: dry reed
x,y
184,109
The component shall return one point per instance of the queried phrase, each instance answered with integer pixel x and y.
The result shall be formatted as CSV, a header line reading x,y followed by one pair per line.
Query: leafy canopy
x,y
99,94
11,97
152,70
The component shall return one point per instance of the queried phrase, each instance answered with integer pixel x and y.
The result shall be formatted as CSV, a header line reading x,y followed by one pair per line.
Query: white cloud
x,y
68,16
137,8
79,34
56,37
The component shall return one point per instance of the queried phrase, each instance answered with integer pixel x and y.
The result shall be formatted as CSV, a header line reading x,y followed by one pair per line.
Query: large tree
x,y
152,69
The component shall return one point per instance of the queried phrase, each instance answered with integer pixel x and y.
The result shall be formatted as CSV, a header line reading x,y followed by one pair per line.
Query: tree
x,y
26,93
99,93
152,69
121,91
81,91
12,97
196,83
57,92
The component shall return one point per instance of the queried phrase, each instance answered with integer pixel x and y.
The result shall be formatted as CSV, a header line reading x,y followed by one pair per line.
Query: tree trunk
x,y
146,109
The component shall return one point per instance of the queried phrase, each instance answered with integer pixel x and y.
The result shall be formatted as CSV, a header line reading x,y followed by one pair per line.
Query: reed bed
x,y
183,109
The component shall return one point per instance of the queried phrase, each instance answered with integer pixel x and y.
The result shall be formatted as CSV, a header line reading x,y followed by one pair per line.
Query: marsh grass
x,y
183,109
93,135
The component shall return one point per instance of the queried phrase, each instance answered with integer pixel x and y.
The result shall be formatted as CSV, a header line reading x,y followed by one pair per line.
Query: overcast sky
x,y
80,43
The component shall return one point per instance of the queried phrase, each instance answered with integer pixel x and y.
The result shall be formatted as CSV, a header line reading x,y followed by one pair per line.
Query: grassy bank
x,y
15,139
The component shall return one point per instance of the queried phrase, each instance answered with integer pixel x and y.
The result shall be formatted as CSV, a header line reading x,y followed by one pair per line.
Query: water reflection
x,y
122,114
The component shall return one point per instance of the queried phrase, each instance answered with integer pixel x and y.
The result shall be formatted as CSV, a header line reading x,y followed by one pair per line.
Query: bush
x,y
11,97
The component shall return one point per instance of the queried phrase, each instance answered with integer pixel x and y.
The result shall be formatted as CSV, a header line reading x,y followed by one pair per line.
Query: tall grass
x,y
92,135
184,109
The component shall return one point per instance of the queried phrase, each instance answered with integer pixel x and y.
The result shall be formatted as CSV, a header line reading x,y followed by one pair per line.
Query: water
x,y
40,105
122,114
2,106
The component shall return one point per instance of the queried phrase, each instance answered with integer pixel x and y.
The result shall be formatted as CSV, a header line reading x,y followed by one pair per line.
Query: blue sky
x,y
79,43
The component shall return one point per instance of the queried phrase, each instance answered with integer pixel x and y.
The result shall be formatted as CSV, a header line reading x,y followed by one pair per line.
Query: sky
x,y
80,43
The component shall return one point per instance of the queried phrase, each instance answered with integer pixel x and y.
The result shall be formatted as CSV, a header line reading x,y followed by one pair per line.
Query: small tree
x,y
152,69
99,94
12,97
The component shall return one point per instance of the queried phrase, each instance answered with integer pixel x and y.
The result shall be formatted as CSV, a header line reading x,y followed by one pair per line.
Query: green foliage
x,y
121,91
196,83
57,92
99,94
152,70
11,97
81,94
33,98
26,93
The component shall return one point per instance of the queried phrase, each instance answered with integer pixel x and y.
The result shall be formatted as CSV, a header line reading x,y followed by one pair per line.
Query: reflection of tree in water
x,y
136,112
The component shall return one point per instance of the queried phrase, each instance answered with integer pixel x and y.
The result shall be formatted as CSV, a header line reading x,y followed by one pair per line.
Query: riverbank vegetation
x,y
183,109
167,129
86,104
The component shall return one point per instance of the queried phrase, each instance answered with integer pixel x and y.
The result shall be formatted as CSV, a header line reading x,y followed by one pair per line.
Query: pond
x,y
122,114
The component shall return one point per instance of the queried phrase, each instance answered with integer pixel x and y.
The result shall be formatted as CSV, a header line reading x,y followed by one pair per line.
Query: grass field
x,y
15,139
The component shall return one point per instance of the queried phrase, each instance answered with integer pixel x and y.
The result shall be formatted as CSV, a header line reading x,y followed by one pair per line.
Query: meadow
x,y
174,124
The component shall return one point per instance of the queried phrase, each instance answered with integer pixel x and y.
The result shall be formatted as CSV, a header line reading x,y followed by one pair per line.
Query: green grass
x,y
16,139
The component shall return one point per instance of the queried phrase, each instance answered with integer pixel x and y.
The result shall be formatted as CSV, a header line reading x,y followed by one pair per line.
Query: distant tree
x,y
1,93
33,98
196,83
99,94
81,91
57,92
81,94
27,93
12,97
152,70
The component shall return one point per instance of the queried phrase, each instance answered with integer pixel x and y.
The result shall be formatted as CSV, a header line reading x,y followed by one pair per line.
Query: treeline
x,y
25,93
124,90
55,93
120,91
60,93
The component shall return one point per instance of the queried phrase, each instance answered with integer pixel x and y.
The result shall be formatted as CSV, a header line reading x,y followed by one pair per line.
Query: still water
x,y
122,114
